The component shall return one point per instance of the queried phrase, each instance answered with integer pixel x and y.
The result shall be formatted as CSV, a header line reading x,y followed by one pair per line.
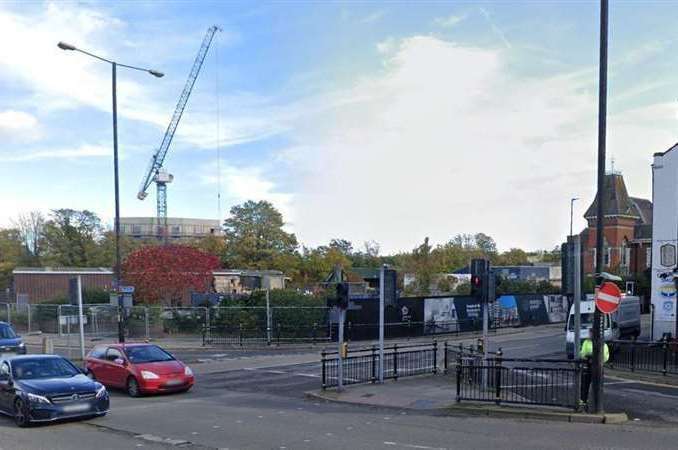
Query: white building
x,y
664,240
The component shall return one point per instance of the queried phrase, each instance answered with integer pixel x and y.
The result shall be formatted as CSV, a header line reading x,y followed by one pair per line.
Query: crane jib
x,y
159,155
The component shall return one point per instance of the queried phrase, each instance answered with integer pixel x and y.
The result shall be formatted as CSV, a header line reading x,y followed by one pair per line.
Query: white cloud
x,y
446,141
58,79
82,151
449,21
249,183
18,126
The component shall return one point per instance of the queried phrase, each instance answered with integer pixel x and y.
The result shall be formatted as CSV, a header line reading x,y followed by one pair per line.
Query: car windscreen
x,y
6,332
146,354
32,369
587,321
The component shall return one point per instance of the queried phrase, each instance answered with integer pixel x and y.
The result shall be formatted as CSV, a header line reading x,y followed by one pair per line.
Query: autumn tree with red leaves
x,y
163,274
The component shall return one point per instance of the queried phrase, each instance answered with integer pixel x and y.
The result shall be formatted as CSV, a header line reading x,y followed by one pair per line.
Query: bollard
x,y
47,346
435,357
374,364
445,358
395,362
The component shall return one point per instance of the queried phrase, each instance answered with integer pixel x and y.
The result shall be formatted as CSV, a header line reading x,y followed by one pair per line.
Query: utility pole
x,y
597,366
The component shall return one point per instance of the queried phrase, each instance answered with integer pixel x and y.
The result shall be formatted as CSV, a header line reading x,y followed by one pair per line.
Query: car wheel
x,y
133,387
20,414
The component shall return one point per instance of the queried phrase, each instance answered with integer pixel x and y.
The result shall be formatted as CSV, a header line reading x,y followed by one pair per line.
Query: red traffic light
x,y
475,280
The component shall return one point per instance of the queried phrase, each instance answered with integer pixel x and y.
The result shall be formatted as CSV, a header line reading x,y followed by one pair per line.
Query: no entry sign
x,y
608,297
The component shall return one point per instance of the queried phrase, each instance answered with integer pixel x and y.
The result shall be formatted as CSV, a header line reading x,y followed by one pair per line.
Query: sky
x,y
368,121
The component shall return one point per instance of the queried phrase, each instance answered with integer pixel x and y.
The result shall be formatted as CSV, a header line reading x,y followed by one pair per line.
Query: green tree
x,y
255,236
512,257
10,254
71,237
31,228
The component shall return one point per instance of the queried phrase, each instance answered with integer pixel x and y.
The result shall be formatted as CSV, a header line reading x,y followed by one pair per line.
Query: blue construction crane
x,y
155,172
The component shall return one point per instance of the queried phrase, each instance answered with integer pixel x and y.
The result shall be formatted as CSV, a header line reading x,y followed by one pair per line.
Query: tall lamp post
x,y
114,66
572,200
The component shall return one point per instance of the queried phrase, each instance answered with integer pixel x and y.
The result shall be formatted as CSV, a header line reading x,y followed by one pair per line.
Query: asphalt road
x,y
256,401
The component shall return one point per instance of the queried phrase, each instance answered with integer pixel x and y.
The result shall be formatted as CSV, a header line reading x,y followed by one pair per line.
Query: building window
x,y
176,230
136,230
667,255
648,257
607,257
625,256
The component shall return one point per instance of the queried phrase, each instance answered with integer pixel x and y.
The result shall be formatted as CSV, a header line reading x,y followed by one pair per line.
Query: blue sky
x,y
385,121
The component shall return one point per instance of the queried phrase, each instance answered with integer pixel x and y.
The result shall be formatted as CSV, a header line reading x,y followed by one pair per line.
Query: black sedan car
x,y
44,388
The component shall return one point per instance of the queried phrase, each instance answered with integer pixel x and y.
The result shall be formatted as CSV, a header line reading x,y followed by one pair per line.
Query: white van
x,y
624,322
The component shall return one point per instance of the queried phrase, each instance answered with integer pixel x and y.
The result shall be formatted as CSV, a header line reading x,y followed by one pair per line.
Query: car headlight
x,y
188,372
37,399
148,375
101,392
22,345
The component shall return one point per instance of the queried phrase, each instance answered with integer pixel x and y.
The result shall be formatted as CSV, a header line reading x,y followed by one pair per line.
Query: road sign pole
x,y
80,320
597,366
381,324
577,296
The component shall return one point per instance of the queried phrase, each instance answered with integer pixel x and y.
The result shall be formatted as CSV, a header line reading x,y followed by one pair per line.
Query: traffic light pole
x,y
340,351
381,324
597,364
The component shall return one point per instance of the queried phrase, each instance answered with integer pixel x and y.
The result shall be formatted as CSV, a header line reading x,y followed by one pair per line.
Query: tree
x,y
485,244
10,254
71,237
513,257
165,273
254,235
31,227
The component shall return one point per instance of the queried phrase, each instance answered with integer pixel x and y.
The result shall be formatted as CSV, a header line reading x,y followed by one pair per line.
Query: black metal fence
x,y
406,329
362,365
660,357
241,335
548,382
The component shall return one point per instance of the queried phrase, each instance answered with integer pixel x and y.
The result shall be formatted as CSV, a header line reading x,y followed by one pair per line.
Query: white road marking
x,y
413,446
278,372
311,375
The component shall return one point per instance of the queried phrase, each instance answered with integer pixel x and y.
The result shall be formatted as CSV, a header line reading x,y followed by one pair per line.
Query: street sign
x,y
608,297
126,289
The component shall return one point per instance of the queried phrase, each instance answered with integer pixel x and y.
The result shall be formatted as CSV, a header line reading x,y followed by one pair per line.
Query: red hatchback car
x,y
138,368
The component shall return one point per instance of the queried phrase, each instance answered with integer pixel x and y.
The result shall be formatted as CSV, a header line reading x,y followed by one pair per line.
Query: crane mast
x,y
155,172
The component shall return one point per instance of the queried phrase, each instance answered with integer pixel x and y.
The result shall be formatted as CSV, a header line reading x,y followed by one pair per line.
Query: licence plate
x,y
80,407
174,382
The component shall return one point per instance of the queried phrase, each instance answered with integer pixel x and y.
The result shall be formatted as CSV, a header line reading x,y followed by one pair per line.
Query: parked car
x,y
44,388
138,369
10,342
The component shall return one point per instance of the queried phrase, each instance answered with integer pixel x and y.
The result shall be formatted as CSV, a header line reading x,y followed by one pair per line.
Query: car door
x,y
95,361
116,372
6,389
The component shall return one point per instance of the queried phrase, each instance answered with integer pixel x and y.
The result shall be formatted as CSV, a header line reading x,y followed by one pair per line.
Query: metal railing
x,y
547,382
362,365
660,357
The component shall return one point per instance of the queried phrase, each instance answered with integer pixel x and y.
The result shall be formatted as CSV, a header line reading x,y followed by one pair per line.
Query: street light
x,y
572,200
114,65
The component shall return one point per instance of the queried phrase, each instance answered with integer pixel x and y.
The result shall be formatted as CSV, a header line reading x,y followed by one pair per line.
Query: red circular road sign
x,y
608,297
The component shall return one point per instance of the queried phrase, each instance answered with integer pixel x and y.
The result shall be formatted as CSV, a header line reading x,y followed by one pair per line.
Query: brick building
x,y
42,284
627,231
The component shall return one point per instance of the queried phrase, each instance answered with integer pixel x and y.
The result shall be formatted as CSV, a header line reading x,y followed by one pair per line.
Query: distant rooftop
x,y
64,270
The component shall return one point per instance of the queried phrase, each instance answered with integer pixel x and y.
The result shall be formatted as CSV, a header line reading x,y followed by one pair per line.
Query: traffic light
x,y
480,272
342,295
